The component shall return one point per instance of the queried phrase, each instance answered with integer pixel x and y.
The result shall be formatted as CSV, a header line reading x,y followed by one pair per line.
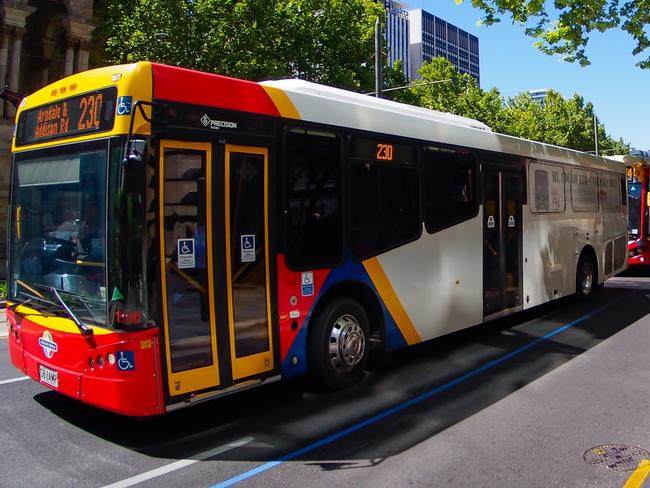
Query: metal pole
x,y
596,133
378,59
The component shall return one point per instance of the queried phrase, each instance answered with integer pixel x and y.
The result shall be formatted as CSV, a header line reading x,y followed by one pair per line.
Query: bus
x,y
178,235
638,173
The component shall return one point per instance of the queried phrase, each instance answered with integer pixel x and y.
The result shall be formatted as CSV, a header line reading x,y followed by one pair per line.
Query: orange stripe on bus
x,y
390,298
282,102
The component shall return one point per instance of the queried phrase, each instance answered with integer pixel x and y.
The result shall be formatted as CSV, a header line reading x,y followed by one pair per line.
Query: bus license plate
x,y
48,376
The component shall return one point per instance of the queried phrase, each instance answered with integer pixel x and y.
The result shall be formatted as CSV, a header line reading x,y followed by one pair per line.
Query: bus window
x,y
546,187
584,190
314,236
634,209
449,182
384,198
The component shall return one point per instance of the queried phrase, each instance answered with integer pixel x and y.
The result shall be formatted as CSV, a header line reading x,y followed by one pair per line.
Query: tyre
x,y
585,276
338,344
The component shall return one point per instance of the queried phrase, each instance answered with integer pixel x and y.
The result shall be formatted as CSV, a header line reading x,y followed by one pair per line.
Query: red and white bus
x,y
178,235
638,177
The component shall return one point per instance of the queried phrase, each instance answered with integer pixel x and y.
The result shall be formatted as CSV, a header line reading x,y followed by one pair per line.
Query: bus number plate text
x,y
48,376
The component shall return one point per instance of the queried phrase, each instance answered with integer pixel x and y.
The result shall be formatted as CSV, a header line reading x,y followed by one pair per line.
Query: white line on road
x,y
13,380
154,473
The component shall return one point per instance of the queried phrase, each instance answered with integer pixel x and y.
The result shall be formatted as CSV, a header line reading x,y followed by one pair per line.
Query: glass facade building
x,y
397,34
431,36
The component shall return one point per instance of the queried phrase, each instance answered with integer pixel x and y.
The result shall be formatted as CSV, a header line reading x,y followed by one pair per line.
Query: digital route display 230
x,y
90,112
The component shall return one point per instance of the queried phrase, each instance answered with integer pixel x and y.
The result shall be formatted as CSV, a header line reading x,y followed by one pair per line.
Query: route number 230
x,y
385,152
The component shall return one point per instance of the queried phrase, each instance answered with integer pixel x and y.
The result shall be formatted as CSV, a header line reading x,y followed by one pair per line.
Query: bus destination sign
x,y
82,114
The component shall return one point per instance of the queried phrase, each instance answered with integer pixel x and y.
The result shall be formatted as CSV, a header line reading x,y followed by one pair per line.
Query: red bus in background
x,y
638,171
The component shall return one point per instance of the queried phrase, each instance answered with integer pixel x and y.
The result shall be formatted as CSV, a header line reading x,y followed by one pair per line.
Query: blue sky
x,y
619,91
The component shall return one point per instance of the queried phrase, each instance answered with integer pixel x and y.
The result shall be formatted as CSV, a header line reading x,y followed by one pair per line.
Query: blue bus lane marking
x,y
409,403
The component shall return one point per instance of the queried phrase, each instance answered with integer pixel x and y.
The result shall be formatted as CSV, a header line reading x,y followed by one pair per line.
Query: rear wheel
x,y
338,344
585,276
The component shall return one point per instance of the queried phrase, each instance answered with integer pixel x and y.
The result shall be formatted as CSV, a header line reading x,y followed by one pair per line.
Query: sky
x,y
619,91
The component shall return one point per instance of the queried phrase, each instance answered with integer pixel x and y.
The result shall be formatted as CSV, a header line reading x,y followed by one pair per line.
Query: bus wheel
x,y
585,276
338,344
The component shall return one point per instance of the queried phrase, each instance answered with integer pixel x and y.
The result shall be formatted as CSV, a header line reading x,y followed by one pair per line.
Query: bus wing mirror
x,y
134,151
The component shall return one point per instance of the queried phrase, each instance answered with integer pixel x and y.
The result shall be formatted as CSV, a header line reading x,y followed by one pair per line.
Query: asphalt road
x,y
519,402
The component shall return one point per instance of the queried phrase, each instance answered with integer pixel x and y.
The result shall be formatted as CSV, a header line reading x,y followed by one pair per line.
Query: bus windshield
x,y
58,231
634,208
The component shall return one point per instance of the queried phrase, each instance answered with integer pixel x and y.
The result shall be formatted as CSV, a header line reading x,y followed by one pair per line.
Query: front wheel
x,y
338,344
585,276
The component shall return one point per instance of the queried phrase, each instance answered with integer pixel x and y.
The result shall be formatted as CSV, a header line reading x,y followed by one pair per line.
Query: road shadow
x,y
425,389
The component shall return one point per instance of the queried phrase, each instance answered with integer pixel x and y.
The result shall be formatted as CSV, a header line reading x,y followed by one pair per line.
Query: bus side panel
x,y
550,245
439,279
298,300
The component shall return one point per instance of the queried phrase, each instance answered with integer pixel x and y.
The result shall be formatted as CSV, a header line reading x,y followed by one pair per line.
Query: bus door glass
x,y
187,266
247,260
502,233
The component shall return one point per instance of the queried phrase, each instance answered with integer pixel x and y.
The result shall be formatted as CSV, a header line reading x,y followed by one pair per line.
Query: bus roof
x,y
336,107
628,159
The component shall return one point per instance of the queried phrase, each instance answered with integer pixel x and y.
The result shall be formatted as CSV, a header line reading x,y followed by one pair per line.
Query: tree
x,y
565,28
328,42
559,121
444,89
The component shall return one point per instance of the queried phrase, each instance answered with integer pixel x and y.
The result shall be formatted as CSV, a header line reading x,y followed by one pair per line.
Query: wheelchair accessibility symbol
x,y
185,253
248,248
125,360
124,105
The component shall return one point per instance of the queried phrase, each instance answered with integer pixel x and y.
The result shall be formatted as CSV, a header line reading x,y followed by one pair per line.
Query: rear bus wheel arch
x,y
355,311
586,272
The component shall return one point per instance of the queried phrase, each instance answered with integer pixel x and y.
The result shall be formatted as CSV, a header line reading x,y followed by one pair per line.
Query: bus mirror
x,y
134,151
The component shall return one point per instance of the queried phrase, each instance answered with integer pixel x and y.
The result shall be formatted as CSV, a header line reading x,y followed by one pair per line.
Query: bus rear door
x,y
502,233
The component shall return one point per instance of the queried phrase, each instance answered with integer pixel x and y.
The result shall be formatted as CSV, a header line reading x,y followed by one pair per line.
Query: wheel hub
x,y
347,343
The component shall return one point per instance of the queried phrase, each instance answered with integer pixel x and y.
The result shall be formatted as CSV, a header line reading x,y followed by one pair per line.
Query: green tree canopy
x,y
328,42
563,27
559,121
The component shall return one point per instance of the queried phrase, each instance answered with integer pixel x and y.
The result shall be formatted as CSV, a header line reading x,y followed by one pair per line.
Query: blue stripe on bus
x,y
409,403
350,270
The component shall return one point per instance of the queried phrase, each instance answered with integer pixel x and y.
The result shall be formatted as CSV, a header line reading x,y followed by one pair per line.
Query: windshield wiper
x,y
18,304
83,328
33,300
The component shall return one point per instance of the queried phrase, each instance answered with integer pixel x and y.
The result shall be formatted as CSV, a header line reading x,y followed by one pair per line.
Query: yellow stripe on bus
x,y
282,102
390,298
61,324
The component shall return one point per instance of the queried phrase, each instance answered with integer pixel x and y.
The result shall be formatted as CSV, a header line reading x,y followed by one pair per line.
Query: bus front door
x,y
215,276
247,261
502,234
187,265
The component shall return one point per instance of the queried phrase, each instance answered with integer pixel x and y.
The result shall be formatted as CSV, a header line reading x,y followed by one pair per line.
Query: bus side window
x,y
384,196
449,183
313,187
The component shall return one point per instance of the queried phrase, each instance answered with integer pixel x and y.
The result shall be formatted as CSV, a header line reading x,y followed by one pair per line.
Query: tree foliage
x,y
559,121
328,42
564,28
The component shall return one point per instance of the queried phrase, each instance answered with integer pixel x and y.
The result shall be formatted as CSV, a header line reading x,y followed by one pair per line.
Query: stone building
x,y
40,42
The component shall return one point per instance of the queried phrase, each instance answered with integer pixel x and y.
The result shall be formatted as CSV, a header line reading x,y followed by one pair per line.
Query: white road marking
x,y
183,463
13,380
